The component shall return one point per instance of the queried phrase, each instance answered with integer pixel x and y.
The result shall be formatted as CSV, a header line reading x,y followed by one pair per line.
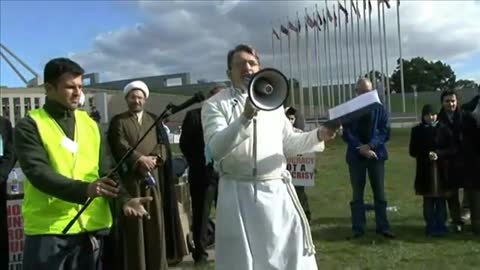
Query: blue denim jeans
x,y
358,174
435,215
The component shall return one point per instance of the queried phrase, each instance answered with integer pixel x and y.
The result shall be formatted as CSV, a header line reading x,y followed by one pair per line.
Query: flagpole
x,y
327,57
320,77
387,75
300,86
336,56
382,77
372,75
273,47
353,45
315,47
348,52
401,59
319,53
331,96
341,54
307,55
281,51
290,69
366,37
359,46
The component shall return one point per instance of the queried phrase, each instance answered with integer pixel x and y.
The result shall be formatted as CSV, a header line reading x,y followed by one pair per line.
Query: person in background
x,y
469,108
95,114
455,147
143,240
7,161
202,178
430,178
366,139
298,126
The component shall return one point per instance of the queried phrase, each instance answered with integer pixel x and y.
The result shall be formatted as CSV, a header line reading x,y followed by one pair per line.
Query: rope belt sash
x,y
308,246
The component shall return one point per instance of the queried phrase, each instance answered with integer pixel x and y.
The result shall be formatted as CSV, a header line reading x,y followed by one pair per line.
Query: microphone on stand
x,y
197,97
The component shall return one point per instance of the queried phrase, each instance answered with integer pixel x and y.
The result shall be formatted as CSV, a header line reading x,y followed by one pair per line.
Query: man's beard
x,y
135,108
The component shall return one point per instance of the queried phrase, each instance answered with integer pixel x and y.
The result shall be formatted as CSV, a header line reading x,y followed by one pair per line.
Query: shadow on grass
x,y
338,229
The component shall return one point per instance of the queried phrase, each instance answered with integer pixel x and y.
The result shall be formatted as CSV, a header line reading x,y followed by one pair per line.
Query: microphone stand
x,y
254,172
169,110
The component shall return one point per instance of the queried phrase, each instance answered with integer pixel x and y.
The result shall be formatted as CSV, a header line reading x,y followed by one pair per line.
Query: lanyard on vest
x,y
75,159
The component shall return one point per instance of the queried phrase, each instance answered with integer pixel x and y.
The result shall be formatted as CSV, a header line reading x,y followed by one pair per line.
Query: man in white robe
x,y
260,224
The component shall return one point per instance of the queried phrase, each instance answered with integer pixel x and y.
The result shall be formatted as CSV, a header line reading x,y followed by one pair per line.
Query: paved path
x,y
187,263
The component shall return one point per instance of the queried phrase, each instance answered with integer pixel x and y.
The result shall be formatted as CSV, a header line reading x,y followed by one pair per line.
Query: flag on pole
x,y
310,22
342,8
398,3
299,26
292,27
329,15
283,30
335,18
275,33
386,3
355,9
319,19
369,6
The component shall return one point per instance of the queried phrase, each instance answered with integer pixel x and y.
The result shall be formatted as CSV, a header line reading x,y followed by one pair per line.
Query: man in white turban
x,y
144,239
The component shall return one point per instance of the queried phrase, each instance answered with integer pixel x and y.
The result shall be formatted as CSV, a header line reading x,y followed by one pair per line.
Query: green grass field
x,y
329,202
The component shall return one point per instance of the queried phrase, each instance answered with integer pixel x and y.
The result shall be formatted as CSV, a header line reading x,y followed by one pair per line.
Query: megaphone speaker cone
x,y
268,89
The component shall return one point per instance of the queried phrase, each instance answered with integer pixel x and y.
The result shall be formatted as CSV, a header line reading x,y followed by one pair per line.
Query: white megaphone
x,y
268,89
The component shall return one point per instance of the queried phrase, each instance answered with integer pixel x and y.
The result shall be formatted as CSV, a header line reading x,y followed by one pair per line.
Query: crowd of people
x,y
262,221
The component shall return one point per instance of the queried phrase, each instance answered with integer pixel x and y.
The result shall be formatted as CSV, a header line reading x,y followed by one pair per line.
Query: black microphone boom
x,y
169,110
197,97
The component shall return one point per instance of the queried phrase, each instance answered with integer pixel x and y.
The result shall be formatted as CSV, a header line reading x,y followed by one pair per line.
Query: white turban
x,y
136,85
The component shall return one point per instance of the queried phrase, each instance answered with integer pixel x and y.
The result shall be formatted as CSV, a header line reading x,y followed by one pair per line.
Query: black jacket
x,y
193,148
7,160
423,139
455,141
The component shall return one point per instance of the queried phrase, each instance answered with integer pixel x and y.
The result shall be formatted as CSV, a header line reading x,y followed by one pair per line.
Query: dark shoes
x,y
201,260
387,234
356,235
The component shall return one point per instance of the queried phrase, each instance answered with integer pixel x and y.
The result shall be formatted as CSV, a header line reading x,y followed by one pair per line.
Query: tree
x,y
427,75
465,84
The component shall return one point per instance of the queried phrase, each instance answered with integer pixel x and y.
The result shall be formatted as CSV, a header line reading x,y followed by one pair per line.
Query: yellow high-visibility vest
x,y
46,214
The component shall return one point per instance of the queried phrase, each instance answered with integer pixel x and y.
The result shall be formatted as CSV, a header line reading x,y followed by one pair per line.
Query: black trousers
x,y
59,252
454,208
302,197
203,193
474,203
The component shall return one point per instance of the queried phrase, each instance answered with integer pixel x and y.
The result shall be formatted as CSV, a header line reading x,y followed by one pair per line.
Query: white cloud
x,y
181,36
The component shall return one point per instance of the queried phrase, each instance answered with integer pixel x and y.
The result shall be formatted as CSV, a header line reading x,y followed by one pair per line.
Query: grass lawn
x,y
329,202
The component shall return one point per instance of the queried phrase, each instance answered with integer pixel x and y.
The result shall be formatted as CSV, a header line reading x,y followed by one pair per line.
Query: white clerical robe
x,y
260,224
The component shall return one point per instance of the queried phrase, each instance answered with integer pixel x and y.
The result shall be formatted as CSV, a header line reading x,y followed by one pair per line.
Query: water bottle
x,y
15,184
149,180
392,209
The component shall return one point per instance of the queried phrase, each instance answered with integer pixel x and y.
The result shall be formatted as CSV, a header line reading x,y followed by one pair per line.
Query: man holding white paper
x,y
366,151
259,221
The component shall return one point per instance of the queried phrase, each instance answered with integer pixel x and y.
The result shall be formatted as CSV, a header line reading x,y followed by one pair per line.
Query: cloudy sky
x,y
126,39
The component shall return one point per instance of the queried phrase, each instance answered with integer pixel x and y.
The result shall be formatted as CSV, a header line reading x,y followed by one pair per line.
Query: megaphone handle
x,y
254,172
